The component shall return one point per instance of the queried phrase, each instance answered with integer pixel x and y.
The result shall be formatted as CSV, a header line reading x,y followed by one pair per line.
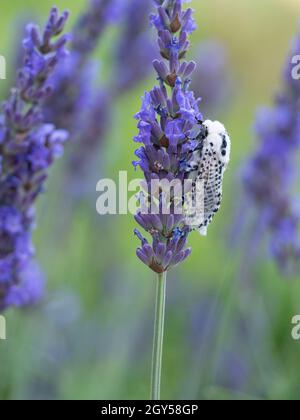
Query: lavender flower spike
x,y
136,48
269,174
28,146
78,105
93,22
211,79
74,81
176,143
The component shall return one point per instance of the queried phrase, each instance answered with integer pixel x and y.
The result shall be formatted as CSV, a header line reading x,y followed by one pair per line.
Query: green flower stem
x,y
158,336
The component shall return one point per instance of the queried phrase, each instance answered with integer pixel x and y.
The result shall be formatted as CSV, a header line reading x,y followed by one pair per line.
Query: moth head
x,y
219,140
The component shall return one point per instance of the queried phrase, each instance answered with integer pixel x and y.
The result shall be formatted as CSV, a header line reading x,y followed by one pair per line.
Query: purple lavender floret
x,y
166,122
269,174
136,49
28,147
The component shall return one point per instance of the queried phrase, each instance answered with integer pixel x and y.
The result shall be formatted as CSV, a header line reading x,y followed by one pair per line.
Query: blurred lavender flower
x,y
232,370
82,107
28,147
91,24
79,106
93,130
136,49
211,79
269,173
30,288
75,79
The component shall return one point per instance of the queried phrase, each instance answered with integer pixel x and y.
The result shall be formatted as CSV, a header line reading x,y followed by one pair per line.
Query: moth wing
x,y
205,198
212,178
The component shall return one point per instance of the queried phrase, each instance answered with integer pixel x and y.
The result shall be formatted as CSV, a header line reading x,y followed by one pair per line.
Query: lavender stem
x,y
158,336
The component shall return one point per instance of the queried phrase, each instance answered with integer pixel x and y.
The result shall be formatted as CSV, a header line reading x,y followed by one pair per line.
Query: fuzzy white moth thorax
x,y
206,171
219,140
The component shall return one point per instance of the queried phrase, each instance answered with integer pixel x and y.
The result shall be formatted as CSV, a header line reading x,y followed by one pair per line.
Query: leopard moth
x,y
205,171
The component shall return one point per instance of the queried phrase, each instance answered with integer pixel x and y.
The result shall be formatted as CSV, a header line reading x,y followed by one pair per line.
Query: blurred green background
x,y
228,324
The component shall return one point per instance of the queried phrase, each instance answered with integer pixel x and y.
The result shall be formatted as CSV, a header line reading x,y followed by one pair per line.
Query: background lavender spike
x,y
75,79
83,159
28,146
269,174
80,105
136,48
92,24
212,80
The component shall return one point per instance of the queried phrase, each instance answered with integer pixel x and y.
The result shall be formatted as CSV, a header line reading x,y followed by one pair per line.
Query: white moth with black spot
x,y
206,170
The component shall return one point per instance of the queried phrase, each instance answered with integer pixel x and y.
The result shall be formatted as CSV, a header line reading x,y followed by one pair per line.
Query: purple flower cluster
x,y
167,119
136,49
28,146
269,173
75,80
79,105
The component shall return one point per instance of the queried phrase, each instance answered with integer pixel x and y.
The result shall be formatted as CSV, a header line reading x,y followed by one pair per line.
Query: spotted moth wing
x,y
207,171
